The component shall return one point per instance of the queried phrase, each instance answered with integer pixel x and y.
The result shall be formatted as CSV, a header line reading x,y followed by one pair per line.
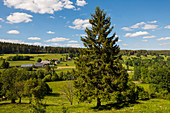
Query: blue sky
x,y
140,24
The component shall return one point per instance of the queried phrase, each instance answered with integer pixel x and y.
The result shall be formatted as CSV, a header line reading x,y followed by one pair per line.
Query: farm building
x,y
45,62
39,65
27,65
57,62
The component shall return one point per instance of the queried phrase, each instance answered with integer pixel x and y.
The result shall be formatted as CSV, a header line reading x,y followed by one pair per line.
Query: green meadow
x,y
57,103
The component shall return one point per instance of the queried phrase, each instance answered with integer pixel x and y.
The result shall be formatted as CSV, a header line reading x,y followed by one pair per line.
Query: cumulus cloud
x,y
19,17
141,25
13,32
67,45
81,35
50,32
80,24
153,22
11,41
125,44
164,44
149,36
37,43
167,27
40,6
57,39
1,19
72,41
164,38
137,25
140,33
52,17
126,28
73,45
119,40
144,40
81,2
147,26
34,38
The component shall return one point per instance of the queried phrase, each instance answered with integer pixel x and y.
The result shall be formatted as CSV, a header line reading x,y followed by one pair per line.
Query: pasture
x,y
57,102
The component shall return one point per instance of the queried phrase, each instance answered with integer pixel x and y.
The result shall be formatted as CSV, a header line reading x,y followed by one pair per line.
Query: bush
x,y
28,68
142,94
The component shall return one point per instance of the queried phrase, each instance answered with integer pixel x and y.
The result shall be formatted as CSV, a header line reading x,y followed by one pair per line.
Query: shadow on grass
x,y
54,94
114,105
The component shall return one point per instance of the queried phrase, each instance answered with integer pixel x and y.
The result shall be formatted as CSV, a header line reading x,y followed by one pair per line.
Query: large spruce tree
x,y
99,74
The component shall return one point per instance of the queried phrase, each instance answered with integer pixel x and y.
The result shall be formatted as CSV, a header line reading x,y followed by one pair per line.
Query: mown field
x,y
56,101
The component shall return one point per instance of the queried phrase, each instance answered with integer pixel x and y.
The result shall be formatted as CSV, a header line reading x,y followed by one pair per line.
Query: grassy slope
x,y
56,101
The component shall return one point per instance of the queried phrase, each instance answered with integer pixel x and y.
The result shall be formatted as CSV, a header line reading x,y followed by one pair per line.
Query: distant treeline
x,y
145,52
8,48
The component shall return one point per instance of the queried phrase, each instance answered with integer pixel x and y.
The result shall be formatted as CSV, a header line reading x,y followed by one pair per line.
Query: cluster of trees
x,y
18,57
156,72
7,48
145,52
19,83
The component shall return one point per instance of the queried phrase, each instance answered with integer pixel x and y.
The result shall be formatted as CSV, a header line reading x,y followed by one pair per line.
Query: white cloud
x,y
119,40
164,38
11,41
1,19
72,41
125,44
137,25
126,29
13,32
149,36
80,24
77,9
40,6
147,26
153,21
52,17
0,26
66,45
62,17
81,35
73,45
57,39
164,44
19,17
50,32
167,27
37,43
144,40
140,33
81,2
34,38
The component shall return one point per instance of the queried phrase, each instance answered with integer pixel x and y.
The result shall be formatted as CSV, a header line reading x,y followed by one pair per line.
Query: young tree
x,y
99,73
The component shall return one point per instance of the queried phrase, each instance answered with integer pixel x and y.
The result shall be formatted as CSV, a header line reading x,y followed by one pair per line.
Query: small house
x,y
57,62
45,62
27,65
39,65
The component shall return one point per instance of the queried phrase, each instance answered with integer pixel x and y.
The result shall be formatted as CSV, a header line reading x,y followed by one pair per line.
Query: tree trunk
x,y
19,100
98,102
30,100
13,101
